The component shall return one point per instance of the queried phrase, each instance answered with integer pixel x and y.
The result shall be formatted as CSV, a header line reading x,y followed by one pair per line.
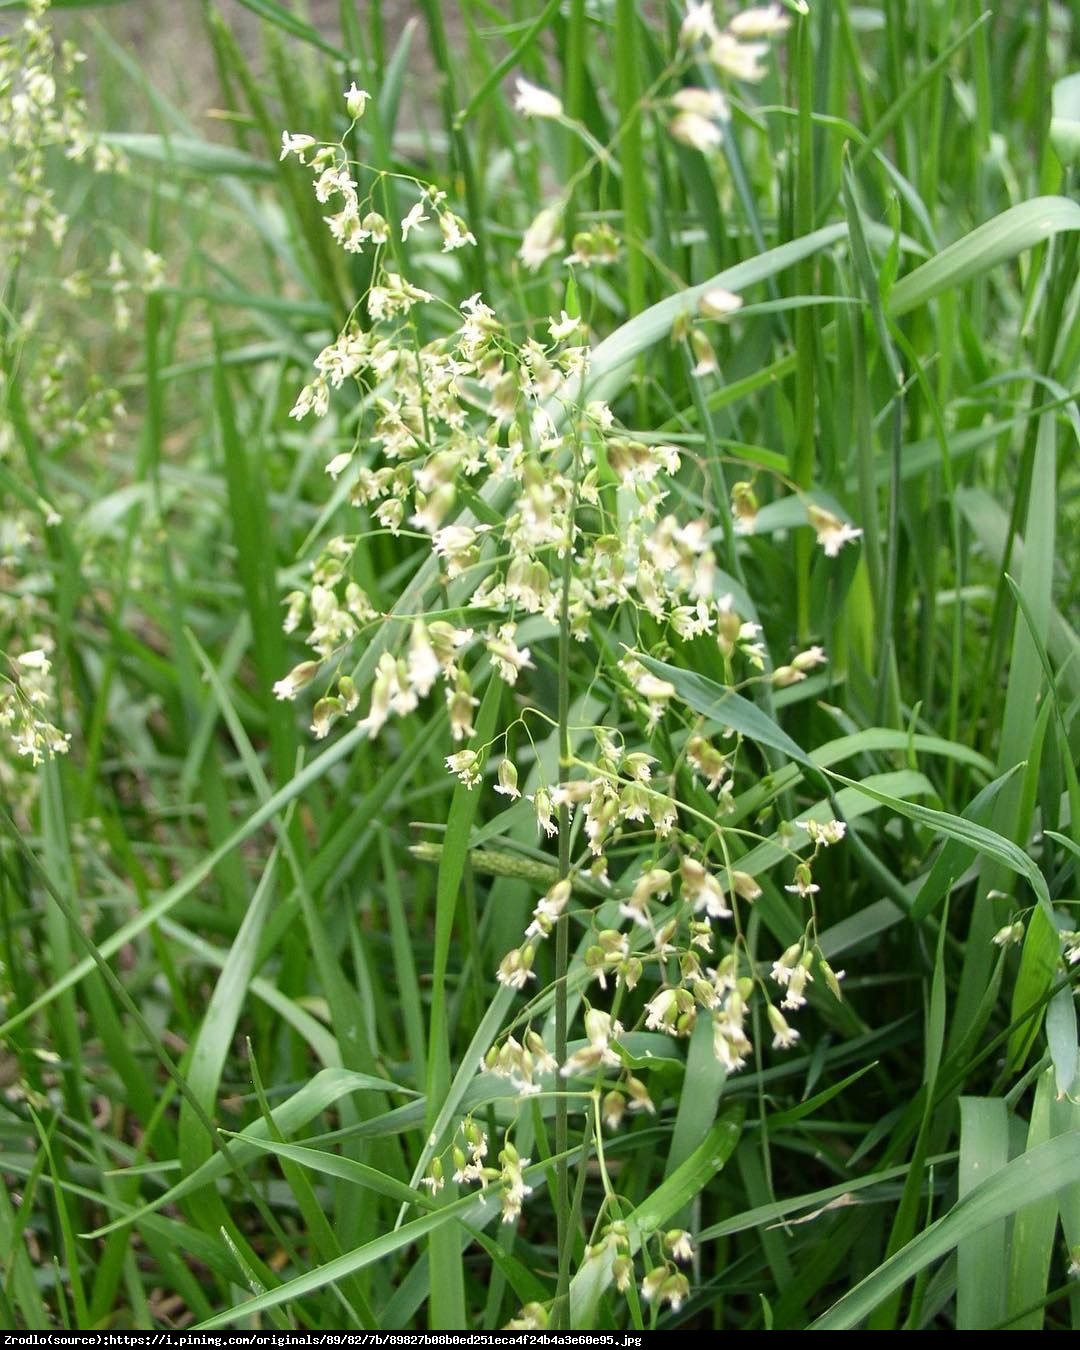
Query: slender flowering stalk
x,y
591,536
562,932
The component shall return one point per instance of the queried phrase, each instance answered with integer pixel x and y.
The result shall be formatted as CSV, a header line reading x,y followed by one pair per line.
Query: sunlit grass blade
x,y
1014,231
1034,1229
984,1150
1039,1172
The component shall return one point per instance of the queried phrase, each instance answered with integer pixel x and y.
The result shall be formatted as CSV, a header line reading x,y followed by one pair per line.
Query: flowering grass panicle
x,y
545,521
53,394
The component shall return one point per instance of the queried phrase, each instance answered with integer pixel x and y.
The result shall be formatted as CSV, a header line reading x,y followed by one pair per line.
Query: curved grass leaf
x,y
1039,1172
345,1169
977,837
1015,230
841,1195
727,709
470,1209
1032,1239
955,858
214,1040
612,359
327,1087
697,1108
188,153
291,23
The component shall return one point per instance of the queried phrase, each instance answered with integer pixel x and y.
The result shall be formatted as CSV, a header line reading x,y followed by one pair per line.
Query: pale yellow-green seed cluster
x,y
53,397
539,509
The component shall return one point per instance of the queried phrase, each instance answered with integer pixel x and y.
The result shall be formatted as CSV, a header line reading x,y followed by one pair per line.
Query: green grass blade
x,y
291,23
1039,1172
186,154
984,1150
1014,231
724,708
983,840
1034,1228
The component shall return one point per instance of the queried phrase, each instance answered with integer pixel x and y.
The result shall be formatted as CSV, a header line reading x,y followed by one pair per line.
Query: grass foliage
x,y
248,978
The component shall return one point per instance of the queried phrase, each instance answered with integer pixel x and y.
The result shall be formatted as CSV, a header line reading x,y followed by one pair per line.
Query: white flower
x,y
803,884
698,25
782,969
832,533
339,463
549,908
823,832
297,678
744,885
699,133
460,704
413,220
662,1010
305,401
333,179
346,228
323,716
784,1036
532,1317
542,239
543,804
678,1243
515,969
508,780
454,232
716,303
601,1029
739,60
764,21
702,888
532,101
704,356
651,1285
704,102
455,543
1011,933
783,676
389,693
563,327
466,764
356,101
423,665
296,145
506,656
297,603
800,978
434,1180
376,227
813,656
35,660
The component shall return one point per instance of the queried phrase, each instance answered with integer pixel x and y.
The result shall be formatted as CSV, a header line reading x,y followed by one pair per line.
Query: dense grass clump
x,y
540,673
